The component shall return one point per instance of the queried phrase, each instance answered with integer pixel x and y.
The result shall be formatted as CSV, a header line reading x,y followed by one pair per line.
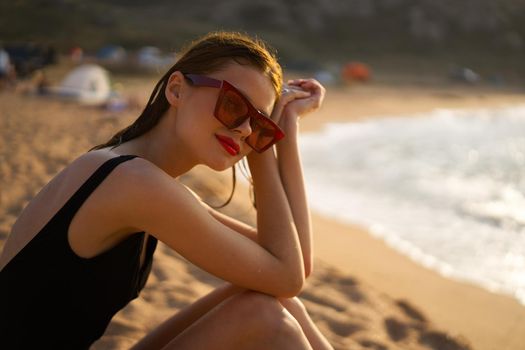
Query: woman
x,y
82,248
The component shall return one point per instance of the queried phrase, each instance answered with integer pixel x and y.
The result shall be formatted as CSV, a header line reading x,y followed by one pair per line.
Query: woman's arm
x,y
291,173
296,104
273,208
236,225
150,200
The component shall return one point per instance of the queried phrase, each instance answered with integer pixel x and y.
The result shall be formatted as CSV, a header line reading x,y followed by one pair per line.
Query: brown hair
x,y
205,55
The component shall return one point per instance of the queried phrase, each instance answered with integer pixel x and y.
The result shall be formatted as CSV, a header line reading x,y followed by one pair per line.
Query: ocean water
x,y
446,188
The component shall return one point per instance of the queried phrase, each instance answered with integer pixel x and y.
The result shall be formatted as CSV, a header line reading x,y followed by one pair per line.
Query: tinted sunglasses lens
x,y
231,109
263,133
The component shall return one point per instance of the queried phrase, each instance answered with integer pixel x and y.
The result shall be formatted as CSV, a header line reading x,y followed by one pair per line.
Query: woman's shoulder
x,y
122,177
134,173
93,159
138,190
89,162
135,186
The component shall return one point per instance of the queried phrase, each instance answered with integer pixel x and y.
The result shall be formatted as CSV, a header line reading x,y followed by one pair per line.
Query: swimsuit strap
x,y
66,213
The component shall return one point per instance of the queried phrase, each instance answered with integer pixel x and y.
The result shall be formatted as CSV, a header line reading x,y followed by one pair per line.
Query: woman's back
x,y
51,198
82,293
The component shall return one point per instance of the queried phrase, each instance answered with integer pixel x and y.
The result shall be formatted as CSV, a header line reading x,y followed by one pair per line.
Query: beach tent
x,y
87,84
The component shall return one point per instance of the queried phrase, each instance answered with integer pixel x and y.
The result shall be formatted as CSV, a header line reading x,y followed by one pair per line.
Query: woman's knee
x,y
265,313
248,319
258,307
294,305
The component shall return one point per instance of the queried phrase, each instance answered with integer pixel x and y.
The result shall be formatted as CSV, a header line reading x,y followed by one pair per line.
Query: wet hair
x,y
205,55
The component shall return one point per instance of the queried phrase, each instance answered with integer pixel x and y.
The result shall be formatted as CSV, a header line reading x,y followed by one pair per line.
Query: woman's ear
x,y
174,87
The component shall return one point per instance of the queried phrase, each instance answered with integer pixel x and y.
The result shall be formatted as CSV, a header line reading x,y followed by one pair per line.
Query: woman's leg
x,y
170,328
312,333
246,320
173,326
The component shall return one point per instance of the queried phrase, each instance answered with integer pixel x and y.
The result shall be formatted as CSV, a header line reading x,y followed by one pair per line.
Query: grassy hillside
x,y
480,32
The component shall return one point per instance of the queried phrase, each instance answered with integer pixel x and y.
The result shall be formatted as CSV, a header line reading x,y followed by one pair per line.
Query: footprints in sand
x,y
400,332
354,316
344,328
441,341
344,286
396,330
370,344
410,311
413,328
329,300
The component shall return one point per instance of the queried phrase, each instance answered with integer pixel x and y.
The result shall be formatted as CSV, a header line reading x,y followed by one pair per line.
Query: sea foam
x,y
446,188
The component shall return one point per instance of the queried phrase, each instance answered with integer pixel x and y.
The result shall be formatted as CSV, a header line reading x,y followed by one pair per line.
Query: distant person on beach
x,y
7,70
5,63
82,249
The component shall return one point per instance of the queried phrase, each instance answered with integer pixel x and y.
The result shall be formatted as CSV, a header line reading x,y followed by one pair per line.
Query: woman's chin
x,y
221,166
221,162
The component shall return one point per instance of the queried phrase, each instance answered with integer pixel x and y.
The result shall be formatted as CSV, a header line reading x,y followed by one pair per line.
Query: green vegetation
x,y
303,31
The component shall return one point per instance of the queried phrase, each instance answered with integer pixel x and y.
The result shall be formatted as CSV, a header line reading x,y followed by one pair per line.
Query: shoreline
x,y
404,246
361,102
487,319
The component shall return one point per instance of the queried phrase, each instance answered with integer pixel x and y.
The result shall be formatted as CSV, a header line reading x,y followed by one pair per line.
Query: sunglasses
x,y
233,108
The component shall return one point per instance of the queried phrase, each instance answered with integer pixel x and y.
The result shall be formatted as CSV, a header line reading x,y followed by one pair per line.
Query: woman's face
x,y
205,137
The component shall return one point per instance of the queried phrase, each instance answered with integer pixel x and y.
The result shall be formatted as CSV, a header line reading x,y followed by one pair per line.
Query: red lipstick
x,y
228,144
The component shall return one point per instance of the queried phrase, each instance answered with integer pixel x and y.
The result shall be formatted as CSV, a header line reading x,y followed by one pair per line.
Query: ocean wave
x,y
445,188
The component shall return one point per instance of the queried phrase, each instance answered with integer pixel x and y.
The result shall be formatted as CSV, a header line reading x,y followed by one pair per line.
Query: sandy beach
x,y
362,294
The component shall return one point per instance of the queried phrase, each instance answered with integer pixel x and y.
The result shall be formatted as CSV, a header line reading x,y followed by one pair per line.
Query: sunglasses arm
x,y
201,80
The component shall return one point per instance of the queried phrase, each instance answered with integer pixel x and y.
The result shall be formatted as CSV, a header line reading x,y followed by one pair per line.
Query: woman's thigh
x,y
176,324
246,320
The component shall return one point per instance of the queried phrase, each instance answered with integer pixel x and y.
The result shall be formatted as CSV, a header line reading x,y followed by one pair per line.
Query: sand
x,y
362,294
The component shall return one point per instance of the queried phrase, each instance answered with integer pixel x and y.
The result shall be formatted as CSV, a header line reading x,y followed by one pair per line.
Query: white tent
x,y
87,84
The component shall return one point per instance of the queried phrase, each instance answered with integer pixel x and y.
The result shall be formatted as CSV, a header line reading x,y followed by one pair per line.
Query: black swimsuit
x,y
50,298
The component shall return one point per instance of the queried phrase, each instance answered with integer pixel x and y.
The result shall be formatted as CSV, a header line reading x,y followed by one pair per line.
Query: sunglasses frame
x,y
224,86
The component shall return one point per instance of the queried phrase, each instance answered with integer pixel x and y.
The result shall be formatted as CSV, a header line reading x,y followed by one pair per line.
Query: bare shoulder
x,y
128,172
129,180
147,180
138,186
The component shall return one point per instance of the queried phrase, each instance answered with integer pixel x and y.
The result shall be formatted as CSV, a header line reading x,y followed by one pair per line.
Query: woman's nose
x,y
245,129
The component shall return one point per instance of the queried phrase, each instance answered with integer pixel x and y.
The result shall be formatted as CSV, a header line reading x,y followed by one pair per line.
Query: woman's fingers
x,y
311,101
290,93
301,82
299,97
311,85
294,91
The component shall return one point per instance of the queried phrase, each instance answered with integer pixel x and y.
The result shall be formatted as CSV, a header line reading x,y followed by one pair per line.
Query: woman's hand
x,y
301,105
298,98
